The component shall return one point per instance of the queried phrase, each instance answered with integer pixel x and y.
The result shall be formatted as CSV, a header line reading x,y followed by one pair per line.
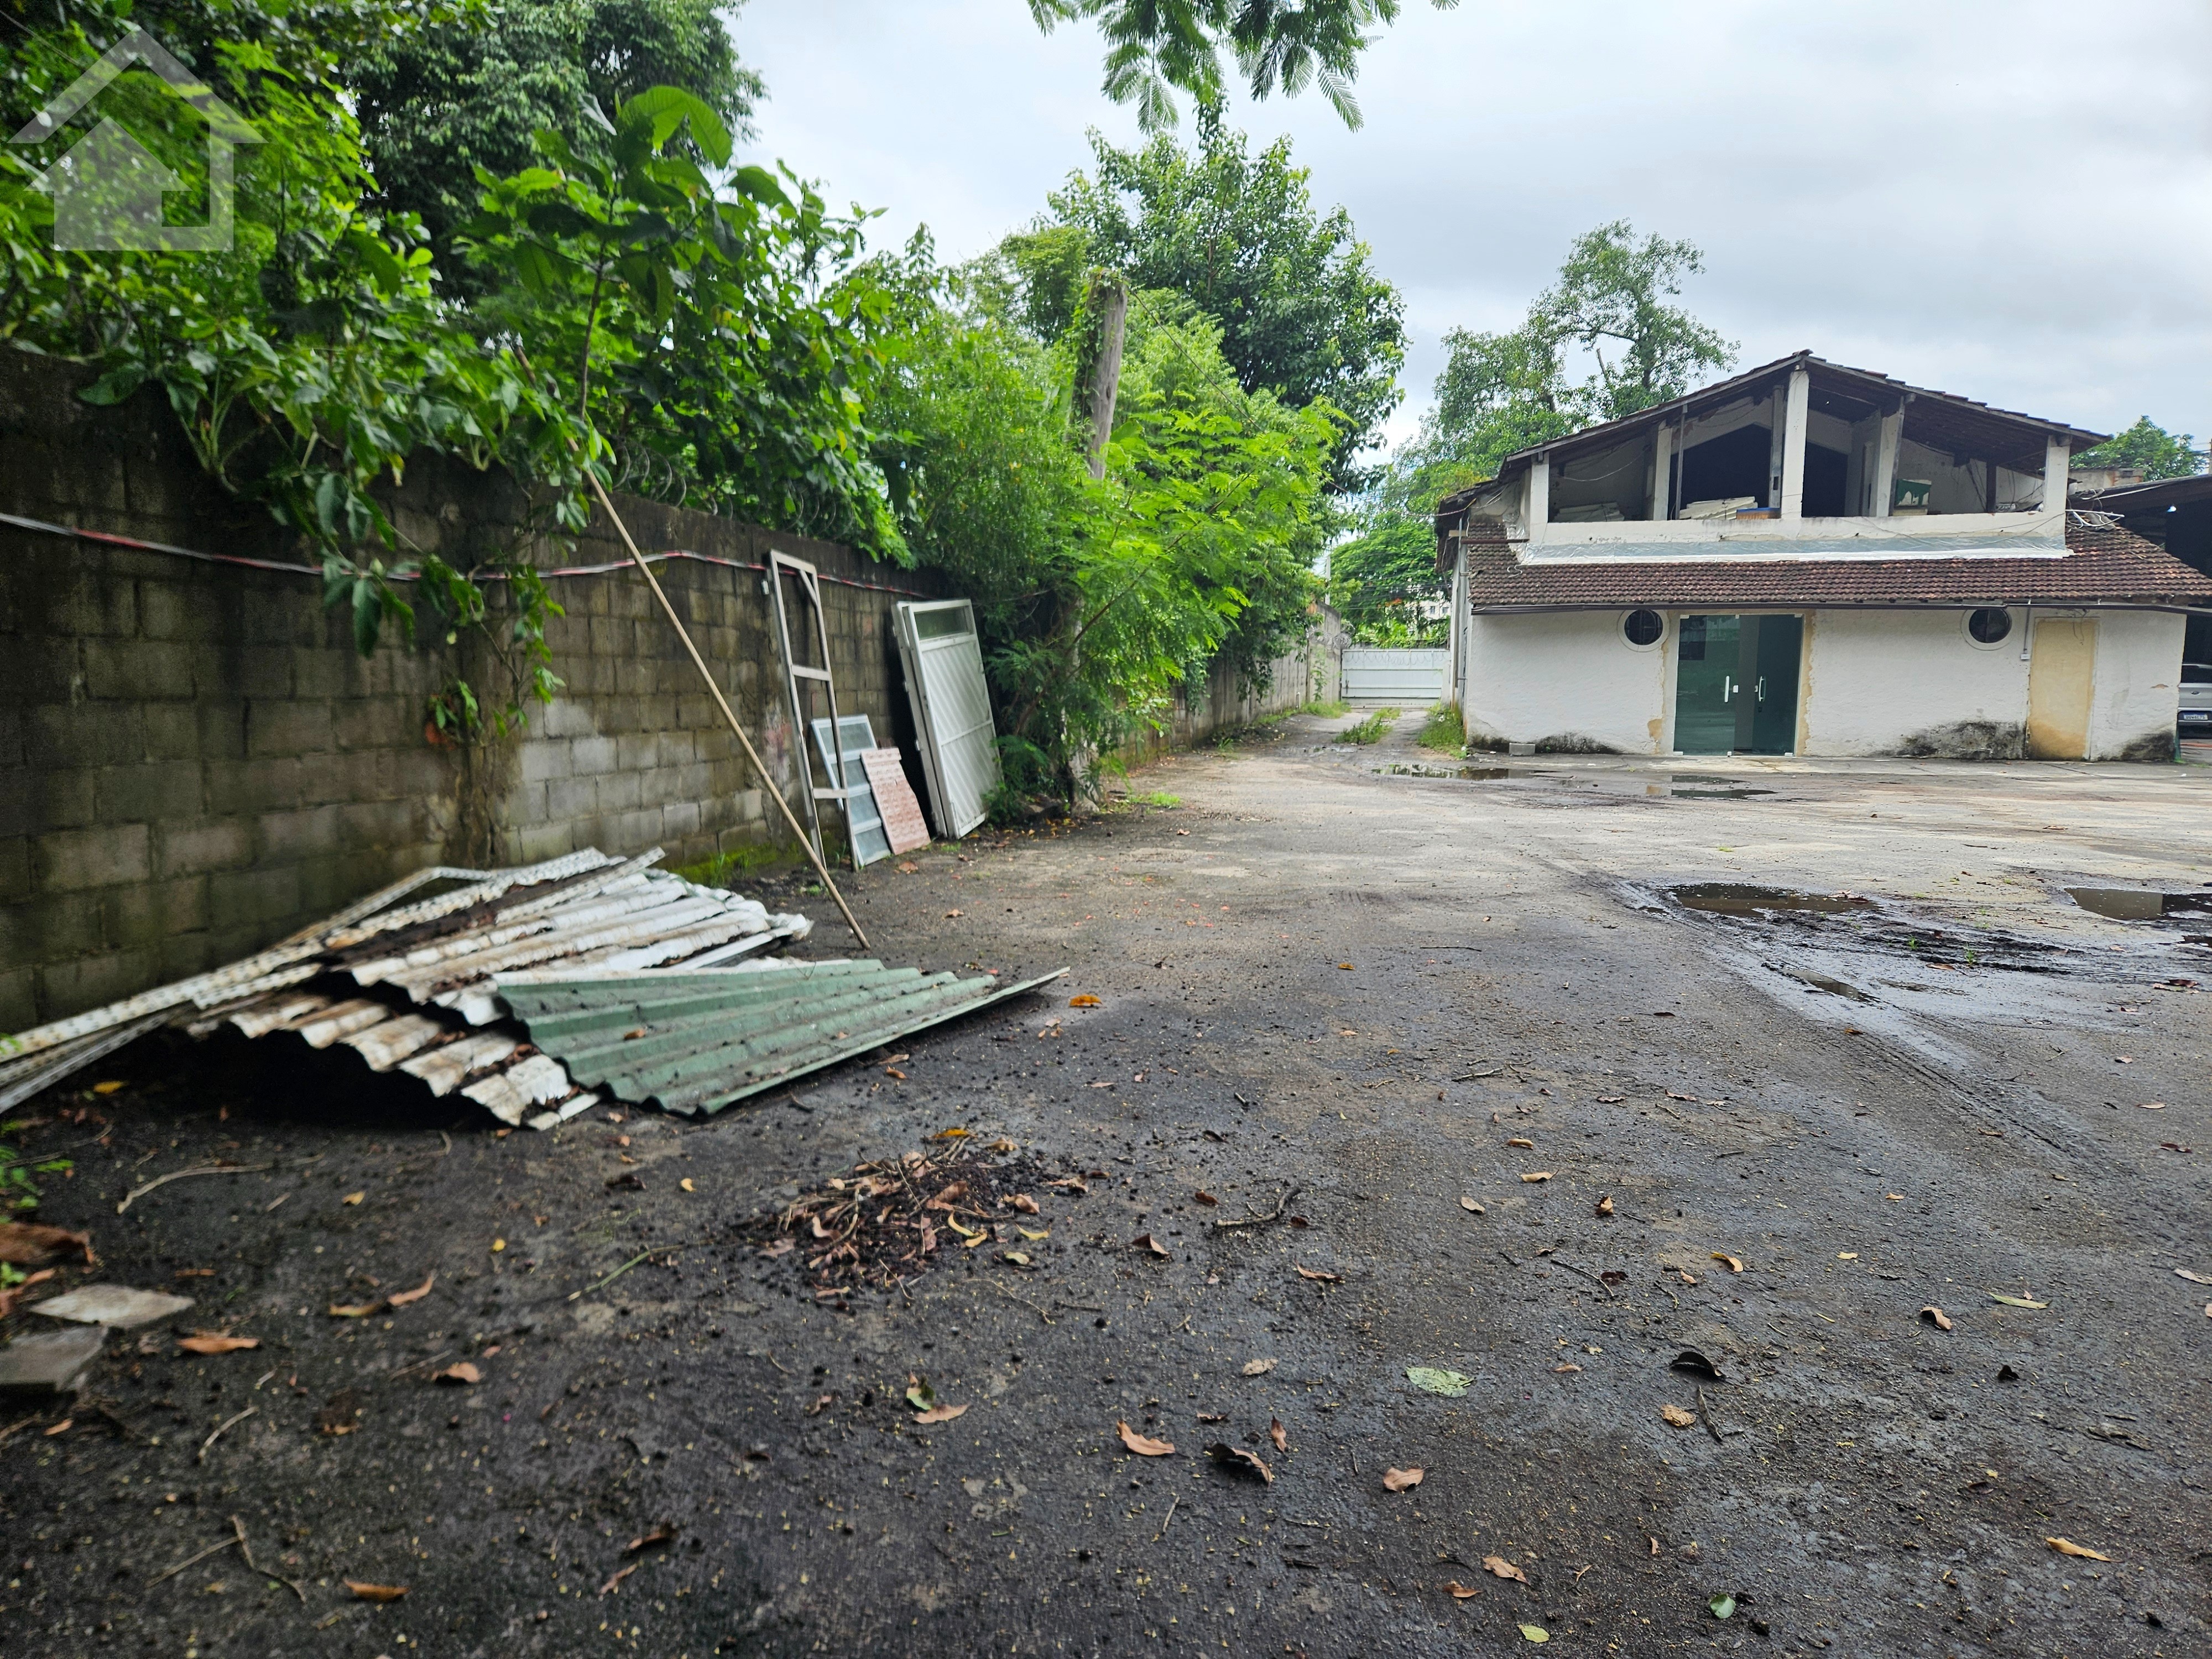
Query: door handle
x,y
1728,685
1761,692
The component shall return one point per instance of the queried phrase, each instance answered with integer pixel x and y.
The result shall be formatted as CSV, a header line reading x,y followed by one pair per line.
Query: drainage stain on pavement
x,y
1754,1292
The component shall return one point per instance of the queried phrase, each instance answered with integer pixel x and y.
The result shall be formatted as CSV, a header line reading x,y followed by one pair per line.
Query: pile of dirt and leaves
x,y
890,1220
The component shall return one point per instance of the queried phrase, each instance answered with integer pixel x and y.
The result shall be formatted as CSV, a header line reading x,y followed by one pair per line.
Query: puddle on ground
x,y
1731,899
1701,786
2138,904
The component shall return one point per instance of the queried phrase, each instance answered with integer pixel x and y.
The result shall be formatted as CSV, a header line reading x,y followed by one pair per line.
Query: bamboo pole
x,y
722,703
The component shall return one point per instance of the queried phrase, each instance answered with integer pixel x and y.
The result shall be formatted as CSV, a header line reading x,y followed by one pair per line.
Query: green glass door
x,y
1708,683
1735,684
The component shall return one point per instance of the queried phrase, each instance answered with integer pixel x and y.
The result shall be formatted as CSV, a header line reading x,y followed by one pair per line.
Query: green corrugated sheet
x,y
695,1043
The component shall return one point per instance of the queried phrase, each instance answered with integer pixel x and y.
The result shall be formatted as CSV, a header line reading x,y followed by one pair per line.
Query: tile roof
x,y
2104,565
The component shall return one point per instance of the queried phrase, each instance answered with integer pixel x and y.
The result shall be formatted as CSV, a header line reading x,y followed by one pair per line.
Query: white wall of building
x,y
1874,678
1567,673
2136,690
1872,682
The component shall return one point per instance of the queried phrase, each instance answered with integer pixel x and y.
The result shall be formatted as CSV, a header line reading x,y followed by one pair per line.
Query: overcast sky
x,y
2008,199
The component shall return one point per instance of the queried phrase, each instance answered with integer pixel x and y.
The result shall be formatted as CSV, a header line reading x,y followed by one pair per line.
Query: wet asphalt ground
x,y
1372,1003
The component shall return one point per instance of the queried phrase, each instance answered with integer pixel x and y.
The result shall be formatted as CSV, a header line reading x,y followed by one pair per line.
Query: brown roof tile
x,y
2103,566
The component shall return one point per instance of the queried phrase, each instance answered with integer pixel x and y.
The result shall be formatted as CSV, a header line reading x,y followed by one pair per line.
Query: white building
x,y
1811,560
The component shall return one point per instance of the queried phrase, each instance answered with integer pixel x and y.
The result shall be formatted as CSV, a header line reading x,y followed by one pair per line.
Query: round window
x,y
1642,628
1988,625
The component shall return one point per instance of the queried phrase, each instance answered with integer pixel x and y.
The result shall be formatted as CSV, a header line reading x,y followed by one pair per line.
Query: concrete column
x,y
2055,457
1885,462
1539,497
1794,423
1662,460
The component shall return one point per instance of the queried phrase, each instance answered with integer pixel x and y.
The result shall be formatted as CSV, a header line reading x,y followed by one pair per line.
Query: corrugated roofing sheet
x,y
698,1041
587,950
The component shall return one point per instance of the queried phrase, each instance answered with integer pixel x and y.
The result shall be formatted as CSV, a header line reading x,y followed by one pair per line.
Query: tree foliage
x,y
1155,48
2160,454
473,87
1098,598
1293,291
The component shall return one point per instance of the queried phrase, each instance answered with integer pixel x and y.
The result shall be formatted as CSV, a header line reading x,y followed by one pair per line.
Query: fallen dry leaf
x,y
608,1587
1605,1205
1498,1566
14,1292
1018,1258
458,1372
1540,1175
1315,1273
2068,1547
909,867
1676,1416
62,1427
1002,1145
664,1533
2015,1301
1461,1592
1034,1232
1279,1434
949,1134
2154,1105
686,1185
1206,1198
2194,1278
1402,1479
210,1342
1083,1001
1146,1242
1565,1365
952,916
356,1310
22,1242
894,1073
939,1414
1025,1203
1733,1265
1686,1278
1469,1204
1258,1367
401,1298
375,1592
1073,1184
1143,1445
1935,1316
1522,1141
1611,1100
1345,966
1237,1457
108,1088
353,1198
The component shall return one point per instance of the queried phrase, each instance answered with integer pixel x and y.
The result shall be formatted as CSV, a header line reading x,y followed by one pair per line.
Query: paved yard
x,y
1373,1005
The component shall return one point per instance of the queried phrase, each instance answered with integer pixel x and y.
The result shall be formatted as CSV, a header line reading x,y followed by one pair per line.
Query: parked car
x,y
2195,719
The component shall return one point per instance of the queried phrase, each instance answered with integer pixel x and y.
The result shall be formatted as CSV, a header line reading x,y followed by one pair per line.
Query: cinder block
x,y
138,668
376,823
538,841
93,603
680,819
19,1000
252,898
148,794
141,918
542,759
619,790
34,799
191,848
14,870
634,831
318,671
251,785
52,928
85,735
70,860
298,834
71,987
179,611
275,728
172,730
590,757
221,723
572,798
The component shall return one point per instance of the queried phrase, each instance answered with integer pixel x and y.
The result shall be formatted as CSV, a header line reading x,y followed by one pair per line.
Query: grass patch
x,y
1445,730
1328,711
1159,797
1371,729
738,862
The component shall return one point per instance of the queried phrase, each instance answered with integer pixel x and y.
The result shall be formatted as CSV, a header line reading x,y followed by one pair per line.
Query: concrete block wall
x,y
195,761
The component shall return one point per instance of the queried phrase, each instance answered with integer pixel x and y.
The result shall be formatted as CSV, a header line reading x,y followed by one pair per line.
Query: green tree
x,y
2160,454
1301,310
472,87
1155,48
1611,298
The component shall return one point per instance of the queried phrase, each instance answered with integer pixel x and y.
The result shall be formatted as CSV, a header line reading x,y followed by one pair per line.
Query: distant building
x,y
1809,559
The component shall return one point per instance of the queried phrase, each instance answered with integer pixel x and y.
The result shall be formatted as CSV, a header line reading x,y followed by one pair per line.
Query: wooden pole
x,y
722,703
1112,298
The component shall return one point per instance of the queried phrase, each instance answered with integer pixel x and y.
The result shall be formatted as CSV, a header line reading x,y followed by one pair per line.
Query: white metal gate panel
x,y
1393,674
952,710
